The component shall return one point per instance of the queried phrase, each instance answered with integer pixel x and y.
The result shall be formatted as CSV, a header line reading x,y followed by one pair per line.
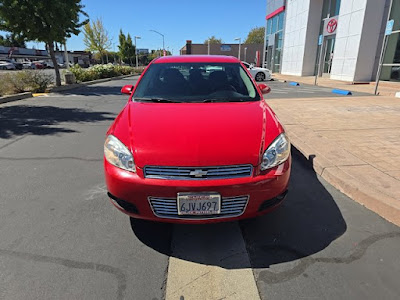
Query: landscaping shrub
x,y
102,71
39,81
25,81
15,82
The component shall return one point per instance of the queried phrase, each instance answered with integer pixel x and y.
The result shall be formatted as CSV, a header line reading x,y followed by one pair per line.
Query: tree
x,y
131,48
126,48
213,40
12,40
96,38
44,21
256,36
122,45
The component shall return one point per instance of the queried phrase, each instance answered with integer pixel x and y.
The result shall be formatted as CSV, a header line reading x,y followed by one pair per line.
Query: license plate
x,y
199,204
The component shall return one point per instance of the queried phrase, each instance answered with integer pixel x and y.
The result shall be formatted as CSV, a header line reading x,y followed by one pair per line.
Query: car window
x,y
246,65
196,82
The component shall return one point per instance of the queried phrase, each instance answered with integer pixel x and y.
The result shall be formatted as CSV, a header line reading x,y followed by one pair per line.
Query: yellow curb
x,y
210,262
40,94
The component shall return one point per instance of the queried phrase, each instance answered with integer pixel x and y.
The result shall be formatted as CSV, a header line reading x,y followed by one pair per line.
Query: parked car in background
x,y
196,147
5,65
17,65
38,65
259,74
28,65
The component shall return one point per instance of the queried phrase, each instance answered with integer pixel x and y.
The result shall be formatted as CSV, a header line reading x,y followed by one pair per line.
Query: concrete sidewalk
x,y
354,143
385,88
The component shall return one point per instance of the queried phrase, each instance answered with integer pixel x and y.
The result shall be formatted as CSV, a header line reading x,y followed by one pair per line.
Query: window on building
x,y
391,61
275,27
274,23
395,15
330,8
280,21
269,26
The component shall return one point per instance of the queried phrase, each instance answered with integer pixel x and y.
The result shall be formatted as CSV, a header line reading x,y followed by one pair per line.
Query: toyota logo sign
x,y
332,25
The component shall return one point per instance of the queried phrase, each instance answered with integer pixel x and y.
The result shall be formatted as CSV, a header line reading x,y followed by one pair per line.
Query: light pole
x,y
115,54
245,54
136,53
240,43
163,46
66,54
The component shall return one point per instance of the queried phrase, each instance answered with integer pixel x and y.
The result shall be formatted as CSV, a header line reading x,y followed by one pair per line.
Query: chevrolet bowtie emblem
x,y
198,173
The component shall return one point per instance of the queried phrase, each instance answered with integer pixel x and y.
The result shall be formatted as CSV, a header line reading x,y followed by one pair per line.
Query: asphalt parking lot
x,y
285,90
60,237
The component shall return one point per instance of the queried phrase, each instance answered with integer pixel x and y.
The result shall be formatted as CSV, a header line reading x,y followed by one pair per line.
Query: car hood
x,y
196,134
260,69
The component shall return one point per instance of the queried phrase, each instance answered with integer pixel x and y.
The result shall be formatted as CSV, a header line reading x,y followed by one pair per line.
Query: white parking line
x,y
279,92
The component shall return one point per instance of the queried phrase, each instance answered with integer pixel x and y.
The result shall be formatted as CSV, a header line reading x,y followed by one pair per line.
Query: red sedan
x,y
196,143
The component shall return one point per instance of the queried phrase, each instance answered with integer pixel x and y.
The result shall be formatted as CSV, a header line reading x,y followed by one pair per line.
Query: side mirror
x,y
127,89
265,89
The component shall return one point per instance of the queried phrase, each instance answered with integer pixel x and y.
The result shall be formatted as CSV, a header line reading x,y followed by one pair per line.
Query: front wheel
x,y
260,76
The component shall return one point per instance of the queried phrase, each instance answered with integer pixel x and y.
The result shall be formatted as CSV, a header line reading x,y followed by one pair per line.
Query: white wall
x,y
303,19
356,39
312,34
295,36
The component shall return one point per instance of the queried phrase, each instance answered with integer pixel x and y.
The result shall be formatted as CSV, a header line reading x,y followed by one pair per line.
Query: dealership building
x,y
340,39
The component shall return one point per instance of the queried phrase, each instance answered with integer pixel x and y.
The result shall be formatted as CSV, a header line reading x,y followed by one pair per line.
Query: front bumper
x,y
131,193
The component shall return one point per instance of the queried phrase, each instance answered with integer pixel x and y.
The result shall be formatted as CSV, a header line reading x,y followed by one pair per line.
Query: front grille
x,y
167,208
190,173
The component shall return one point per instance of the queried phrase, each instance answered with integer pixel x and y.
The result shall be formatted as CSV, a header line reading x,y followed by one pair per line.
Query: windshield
x,y
195,82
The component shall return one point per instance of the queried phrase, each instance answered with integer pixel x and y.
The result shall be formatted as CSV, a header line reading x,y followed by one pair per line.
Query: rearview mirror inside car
x,y
127,89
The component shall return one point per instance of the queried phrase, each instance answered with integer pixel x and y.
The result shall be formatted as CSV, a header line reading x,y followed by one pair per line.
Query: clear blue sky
x,y
177,20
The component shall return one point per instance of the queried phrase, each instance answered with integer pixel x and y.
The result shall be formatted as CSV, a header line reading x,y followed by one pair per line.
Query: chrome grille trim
x,y
183,173
167,208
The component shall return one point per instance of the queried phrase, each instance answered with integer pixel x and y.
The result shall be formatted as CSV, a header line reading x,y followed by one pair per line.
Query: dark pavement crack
x,y
74,264
305,262
12,142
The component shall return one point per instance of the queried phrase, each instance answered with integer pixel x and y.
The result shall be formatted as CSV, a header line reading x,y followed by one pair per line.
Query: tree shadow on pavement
x,y
17,120
307,222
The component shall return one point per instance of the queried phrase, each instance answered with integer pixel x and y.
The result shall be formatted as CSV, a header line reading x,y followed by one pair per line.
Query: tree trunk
x,y
53,59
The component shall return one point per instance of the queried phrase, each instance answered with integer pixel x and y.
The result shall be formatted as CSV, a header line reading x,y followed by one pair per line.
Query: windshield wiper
x,y
225,100
159,100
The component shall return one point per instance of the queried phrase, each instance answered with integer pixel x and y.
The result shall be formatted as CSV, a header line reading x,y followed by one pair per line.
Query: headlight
x,y
277,152
117,154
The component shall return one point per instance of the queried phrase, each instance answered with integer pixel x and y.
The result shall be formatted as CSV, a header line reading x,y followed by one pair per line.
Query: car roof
x,y
196,58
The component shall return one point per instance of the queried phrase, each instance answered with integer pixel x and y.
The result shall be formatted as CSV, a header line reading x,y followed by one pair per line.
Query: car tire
x,y
260,76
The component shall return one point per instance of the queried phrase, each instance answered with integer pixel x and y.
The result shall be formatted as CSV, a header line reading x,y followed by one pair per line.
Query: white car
x,y
28,65
4,65
259,74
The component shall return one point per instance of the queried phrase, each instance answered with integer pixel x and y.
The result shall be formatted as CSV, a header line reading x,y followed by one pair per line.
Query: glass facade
x,y
274,43
391,61
330,9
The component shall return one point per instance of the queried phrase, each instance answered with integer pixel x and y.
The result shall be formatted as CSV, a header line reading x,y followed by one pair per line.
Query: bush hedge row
x,y
102,71
24,81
